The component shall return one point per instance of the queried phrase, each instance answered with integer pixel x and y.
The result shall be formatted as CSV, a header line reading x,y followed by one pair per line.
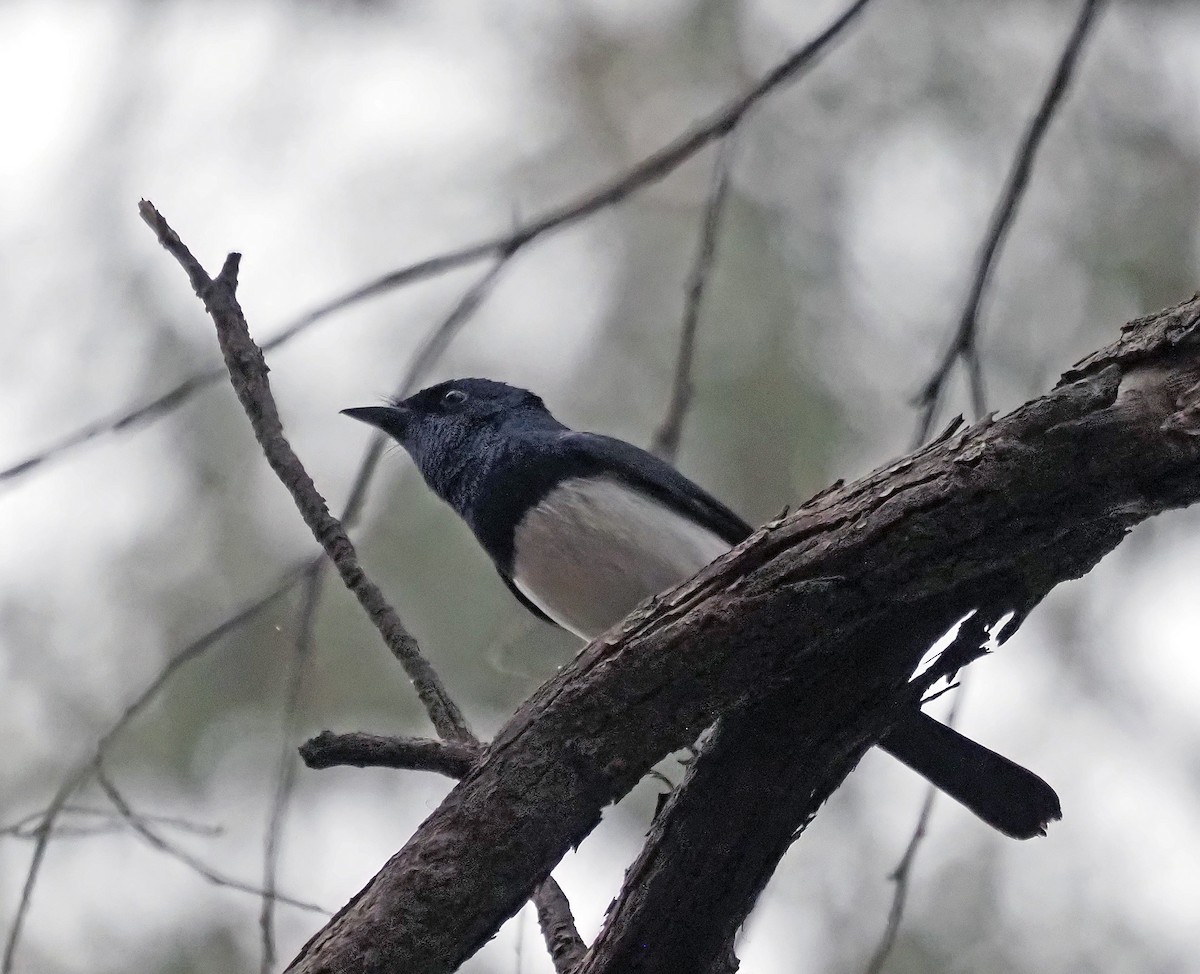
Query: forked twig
x,y
84,772
430,350
965,342
140,825
248,373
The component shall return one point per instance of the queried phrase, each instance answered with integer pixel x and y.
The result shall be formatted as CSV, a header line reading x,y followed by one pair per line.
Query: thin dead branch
x,y
85,771
666,438
141,826
428,353
964,344
248,372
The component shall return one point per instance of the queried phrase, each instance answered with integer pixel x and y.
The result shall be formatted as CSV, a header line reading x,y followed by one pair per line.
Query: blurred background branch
x,y
666,438
964,345
654,167
142,826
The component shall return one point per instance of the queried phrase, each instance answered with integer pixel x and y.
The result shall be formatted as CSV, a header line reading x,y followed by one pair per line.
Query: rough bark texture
x,y
711,851
813,625
451,758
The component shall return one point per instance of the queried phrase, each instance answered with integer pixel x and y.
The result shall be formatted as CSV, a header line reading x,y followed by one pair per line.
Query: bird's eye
x,y
454,397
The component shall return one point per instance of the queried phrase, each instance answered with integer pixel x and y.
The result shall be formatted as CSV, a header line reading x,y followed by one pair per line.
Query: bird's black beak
x,y
391,419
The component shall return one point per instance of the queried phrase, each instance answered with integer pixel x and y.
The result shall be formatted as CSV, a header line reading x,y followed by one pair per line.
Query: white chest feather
x,y
593,549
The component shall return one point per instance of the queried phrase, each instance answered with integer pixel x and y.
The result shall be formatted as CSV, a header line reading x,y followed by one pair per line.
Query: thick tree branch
x,y
716,843
745,799
827,606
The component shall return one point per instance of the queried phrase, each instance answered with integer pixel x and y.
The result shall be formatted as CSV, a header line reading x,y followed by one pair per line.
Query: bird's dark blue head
x,y
458,431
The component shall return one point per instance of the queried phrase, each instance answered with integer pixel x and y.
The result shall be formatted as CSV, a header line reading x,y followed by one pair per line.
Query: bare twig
x,y
900,876
248,372
127,419
964,344
666,438
141,827
195,650
42,839
650,170
519,948
563,942
328,750
81,774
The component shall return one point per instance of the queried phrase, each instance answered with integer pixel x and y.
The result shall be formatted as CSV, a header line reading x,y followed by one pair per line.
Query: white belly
x,y
593,549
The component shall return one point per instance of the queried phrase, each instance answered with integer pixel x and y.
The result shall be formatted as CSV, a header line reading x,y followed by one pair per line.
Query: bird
x,y
584,527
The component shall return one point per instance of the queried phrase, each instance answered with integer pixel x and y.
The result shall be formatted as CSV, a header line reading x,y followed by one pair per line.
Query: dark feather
x,y
644,471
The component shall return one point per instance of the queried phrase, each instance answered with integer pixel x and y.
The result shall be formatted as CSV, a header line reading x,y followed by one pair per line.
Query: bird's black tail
x,y
1002,793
